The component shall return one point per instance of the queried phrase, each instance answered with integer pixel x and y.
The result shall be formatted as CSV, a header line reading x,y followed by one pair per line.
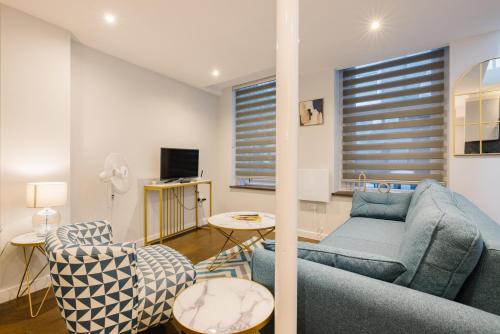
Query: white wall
x,y
316,150
34,125
119,107
475,177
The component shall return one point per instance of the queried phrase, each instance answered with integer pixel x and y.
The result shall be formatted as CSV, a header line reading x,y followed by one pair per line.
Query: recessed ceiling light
x,y
215,73
375,25
110,18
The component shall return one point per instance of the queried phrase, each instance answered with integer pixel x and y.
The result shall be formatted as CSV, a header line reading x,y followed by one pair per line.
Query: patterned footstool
x,y
103,287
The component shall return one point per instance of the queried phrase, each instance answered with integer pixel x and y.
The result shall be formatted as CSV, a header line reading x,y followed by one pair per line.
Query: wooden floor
x,y
14,315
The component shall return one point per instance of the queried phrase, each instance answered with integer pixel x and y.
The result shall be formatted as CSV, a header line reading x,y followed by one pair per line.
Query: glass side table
x,y
30,242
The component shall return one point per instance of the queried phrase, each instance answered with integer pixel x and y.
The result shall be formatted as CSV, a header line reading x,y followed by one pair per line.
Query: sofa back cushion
x,y
366,264
390,206
441,246
482,288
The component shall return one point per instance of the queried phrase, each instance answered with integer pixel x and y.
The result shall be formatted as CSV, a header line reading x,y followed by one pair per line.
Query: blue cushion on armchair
x,y
391,206
366,264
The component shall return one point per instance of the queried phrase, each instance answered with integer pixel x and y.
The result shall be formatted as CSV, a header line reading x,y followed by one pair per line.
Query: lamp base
x,y
45,220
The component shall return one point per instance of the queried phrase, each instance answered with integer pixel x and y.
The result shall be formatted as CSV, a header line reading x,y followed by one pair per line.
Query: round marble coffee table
x,y
227,224
223,305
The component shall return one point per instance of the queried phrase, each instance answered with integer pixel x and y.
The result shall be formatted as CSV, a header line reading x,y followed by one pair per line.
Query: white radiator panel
x,y
314,185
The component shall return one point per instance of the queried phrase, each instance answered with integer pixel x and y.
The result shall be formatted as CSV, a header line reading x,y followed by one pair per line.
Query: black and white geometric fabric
x,y
162,273
98,284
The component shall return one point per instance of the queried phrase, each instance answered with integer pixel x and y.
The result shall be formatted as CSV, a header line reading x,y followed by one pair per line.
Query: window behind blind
x,y
255,134
393,120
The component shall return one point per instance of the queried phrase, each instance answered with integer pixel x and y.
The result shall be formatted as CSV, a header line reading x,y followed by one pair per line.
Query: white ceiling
x,y
187,39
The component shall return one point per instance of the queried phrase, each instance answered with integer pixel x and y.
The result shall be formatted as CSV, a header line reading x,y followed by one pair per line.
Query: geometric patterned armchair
x,y
103,287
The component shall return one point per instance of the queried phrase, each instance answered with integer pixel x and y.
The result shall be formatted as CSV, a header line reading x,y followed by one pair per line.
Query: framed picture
x,y
311,112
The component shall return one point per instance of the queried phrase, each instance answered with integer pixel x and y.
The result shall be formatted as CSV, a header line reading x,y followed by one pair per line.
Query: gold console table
x,y
172,222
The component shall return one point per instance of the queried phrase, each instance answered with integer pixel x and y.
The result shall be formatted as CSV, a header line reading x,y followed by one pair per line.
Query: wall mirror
x,y
477,110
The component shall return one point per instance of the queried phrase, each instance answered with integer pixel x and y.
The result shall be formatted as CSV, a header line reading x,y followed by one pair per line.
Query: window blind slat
x,y
396,83
394,114
256,150
394,125
398,93
398,104
394,156
260,95
256,119
399,145
255,88
255,165
396,73
256,158
392,166
240,107
254,173
395,135
260,111
256,127
255,133
401,61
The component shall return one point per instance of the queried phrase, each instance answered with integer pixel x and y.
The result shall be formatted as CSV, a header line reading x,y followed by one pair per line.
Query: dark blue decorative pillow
x,y
390,206
366,264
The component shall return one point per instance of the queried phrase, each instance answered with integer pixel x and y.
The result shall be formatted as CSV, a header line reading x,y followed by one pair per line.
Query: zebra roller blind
x,y
255,134
393,119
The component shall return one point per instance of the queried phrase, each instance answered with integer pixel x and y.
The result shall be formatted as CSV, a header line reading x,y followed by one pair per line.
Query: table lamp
x,y
46,195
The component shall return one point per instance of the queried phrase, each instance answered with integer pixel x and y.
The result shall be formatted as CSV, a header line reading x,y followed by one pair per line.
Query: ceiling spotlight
x,y
110,19
375,25
215,73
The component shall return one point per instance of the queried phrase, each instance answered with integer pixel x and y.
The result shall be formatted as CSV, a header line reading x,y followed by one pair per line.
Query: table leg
x,y
28,282
241,245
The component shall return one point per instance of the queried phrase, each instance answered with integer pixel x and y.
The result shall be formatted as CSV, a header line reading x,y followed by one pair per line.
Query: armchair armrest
x,y
331,300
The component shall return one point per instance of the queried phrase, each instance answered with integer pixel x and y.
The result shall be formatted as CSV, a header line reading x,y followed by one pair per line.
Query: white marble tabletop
x,y
223,305
28,239
226,221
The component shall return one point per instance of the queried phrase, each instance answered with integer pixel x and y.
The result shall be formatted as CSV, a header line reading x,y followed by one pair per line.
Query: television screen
x,y
178,163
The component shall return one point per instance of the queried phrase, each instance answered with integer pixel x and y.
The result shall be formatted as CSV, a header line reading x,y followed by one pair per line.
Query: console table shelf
x,y
171,215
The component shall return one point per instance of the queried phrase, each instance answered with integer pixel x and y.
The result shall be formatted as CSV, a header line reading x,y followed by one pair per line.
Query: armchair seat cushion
x,y
162,273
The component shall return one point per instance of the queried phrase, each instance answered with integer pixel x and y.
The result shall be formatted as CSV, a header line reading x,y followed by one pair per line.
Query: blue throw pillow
x,y
390,206
370,265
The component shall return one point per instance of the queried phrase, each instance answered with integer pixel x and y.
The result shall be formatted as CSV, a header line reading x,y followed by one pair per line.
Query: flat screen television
x,y
177,163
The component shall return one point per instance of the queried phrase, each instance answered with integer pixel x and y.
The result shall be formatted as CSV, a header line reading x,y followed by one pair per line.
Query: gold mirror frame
x,y
474,94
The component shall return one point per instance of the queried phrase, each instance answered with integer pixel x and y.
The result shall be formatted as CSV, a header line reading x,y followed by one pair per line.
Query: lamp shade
x,y
46,194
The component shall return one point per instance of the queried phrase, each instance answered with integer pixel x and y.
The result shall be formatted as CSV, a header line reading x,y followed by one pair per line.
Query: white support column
x,y
287,117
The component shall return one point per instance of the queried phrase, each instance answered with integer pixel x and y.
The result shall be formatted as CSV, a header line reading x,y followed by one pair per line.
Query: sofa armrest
x,y
331,300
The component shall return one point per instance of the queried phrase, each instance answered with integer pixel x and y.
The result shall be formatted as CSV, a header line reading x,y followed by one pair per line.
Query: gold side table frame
x,y
29,247
172,207
229,237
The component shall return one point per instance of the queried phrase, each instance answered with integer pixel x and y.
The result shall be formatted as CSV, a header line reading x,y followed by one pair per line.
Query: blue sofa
x,y
451,251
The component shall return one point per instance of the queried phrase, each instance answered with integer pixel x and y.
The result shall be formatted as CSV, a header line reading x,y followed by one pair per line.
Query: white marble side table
x,y
223,306
30,242
226,224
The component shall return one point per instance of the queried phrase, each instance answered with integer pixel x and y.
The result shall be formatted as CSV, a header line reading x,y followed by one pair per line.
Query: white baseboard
x,y
9,293
311,235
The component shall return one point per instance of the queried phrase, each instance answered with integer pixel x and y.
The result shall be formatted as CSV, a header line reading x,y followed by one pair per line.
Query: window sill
x,y
343,193
253,188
